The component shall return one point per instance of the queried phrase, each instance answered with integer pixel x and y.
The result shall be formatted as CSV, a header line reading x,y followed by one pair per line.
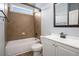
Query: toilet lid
x,y
38,45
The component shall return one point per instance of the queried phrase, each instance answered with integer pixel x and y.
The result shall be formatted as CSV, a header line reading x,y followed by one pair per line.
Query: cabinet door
x,y
60,51
48,48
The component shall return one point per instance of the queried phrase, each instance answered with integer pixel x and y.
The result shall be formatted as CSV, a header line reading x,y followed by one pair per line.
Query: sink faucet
x,y
62,35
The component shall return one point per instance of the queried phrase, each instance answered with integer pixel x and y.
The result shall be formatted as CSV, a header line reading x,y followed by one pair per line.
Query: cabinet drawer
x,y
46,40
68,47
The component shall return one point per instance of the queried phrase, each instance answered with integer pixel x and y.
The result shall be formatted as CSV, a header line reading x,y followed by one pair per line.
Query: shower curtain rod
x,y
32,6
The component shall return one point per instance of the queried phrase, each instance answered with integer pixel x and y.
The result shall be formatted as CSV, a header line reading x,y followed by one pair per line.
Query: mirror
x,y
73,14
61,14
66,14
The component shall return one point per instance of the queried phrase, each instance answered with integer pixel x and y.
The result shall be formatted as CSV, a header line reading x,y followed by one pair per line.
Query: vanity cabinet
x,y
53,48
61,51
48,47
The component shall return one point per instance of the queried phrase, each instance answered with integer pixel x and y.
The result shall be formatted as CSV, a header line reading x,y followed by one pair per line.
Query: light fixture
x,y
37,14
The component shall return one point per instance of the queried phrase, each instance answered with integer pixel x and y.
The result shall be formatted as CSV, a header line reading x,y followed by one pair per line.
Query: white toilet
x,y
37,48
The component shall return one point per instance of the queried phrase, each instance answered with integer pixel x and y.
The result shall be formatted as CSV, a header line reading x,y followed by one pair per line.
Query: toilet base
x,y
37,53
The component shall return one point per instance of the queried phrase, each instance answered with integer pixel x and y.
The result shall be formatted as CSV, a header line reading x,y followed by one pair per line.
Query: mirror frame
x,y
67,19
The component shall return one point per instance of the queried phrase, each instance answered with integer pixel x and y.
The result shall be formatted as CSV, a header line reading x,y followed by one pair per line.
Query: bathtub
x,y
15,47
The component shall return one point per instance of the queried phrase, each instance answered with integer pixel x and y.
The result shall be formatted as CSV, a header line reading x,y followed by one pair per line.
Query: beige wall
x,y
37,24
20,26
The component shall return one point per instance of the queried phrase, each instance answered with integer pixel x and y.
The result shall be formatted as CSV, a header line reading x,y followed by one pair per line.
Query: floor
x,y
30,53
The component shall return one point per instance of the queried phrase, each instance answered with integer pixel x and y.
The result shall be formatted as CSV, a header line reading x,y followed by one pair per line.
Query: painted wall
x,y
47,23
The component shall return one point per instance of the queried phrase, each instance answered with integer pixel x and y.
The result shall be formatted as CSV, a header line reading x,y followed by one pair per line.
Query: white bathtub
x,y
19,46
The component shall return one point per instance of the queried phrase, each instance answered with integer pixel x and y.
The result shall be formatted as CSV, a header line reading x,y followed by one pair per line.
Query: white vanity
x,y
53,45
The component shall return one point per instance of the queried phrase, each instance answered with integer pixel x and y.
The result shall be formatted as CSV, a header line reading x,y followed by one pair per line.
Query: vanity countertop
x,y
71,41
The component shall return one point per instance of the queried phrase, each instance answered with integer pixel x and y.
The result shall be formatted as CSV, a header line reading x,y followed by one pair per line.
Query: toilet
x,y
37,48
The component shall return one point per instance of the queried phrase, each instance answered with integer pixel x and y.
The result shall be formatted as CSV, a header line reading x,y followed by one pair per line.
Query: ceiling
x,y
42,5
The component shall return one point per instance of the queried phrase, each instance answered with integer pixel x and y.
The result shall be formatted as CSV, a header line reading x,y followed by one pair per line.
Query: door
x,y
61,51
48,47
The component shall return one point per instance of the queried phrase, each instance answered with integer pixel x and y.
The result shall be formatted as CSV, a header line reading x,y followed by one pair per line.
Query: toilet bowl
x,y
36,48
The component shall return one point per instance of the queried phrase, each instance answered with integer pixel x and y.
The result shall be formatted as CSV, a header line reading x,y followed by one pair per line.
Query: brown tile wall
x,y
37,25
20,26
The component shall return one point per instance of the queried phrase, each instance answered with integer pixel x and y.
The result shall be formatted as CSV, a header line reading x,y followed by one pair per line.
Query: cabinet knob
x,y
54,45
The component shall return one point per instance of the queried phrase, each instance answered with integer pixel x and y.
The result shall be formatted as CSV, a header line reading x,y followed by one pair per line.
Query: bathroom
x,y
36,29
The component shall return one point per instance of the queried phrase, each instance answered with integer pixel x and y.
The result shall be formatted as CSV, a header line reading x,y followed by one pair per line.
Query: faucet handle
x,y
62,35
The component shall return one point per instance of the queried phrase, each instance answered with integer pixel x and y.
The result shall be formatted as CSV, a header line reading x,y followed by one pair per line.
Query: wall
x,y
20,26
2,32
47,23
37,19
